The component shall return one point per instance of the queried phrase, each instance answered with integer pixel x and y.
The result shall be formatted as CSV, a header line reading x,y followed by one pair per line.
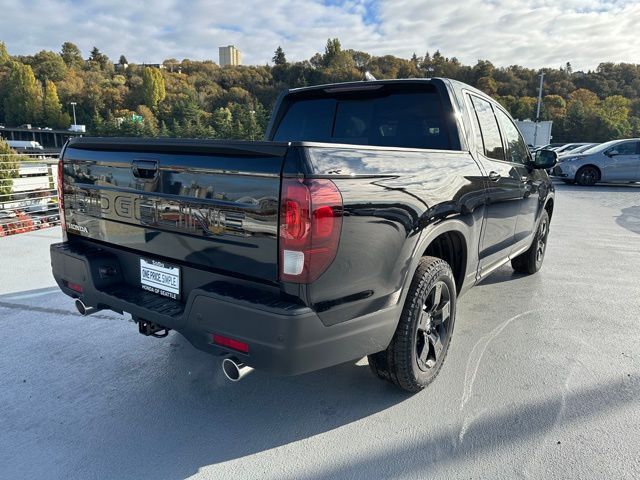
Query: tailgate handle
x,y
145,169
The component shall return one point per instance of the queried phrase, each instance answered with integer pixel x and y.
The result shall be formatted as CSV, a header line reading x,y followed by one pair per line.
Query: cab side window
x,y
491,139
517,151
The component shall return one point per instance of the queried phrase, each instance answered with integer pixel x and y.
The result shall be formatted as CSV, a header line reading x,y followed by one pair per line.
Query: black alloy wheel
x,y
420,344
434,328
531,261
587,176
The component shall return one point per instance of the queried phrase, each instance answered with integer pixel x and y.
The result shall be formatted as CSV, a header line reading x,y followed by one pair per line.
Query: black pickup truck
x,y
351,231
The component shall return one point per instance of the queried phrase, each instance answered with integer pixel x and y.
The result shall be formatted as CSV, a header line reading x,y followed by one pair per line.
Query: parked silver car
x,y
615,161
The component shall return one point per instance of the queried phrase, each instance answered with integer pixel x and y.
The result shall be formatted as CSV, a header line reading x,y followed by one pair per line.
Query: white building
x,y
229,55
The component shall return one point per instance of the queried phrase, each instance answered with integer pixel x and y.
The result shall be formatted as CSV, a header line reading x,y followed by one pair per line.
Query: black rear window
x,y
412,119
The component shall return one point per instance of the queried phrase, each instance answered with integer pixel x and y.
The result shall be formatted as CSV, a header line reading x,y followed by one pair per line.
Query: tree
x,y
488,85
525,108
52,114
362,60
554,107
71,55
222,122
23,97
149,120
123,60
153,87
612,119
48,66
279,57
99,59
4,54
333,54
9,163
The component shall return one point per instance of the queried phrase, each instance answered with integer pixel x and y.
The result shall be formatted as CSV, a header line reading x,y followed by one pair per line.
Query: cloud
x,y
532,33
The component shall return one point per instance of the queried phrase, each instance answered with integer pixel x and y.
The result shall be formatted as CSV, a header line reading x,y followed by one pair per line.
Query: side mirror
x,y
612,153
544,159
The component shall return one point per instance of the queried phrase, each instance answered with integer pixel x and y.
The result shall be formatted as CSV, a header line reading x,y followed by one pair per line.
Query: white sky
x,y
532,33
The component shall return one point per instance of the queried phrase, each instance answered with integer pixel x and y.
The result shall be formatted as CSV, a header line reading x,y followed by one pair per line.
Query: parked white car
x,y
615,161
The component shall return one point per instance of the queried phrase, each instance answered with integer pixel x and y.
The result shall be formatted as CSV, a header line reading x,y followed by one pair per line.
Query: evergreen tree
x,y
164,130
332,51
279,57
123,60
222,123
100,59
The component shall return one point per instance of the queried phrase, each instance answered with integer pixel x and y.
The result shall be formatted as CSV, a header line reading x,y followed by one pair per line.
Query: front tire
x,y
531,261
421,341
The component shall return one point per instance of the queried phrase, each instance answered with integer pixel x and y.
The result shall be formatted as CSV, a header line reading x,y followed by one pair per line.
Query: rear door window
x,y
517,151
411,119
491,139
628,148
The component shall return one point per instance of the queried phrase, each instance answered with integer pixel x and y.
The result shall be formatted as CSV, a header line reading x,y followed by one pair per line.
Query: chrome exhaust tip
x,y
83,309
234,370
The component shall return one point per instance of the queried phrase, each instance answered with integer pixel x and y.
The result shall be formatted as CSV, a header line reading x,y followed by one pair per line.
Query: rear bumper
x,y
284,338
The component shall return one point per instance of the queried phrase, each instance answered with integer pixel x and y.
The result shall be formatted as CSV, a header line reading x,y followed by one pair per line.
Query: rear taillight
x,y
310,225
63,222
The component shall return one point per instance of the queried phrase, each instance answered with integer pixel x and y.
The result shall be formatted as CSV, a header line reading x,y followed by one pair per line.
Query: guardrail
x,y
28,192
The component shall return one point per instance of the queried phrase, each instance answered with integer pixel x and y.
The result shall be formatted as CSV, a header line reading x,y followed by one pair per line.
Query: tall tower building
x,y
229,55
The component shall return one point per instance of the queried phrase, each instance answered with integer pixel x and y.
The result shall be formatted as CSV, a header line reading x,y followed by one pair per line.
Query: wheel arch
x,y
449,240
450,246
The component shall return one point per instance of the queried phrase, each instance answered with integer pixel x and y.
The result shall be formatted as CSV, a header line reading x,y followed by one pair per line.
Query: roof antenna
x,y
368,77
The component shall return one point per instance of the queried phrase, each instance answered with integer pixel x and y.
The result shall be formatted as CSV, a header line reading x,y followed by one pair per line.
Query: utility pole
x,y
535,131
73,105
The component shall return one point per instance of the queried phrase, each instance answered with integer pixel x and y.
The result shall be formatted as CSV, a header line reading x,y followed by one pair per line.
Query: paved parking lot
x,y
542,381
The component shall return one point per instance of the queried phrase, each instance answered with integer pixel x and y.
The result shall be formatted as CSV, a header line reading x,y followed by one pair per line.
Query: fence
x,y
28,193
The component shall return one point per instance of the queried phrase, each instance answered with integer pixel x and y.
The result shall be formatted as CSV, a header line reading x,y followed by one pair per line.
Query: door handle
x,y
494,176
144,169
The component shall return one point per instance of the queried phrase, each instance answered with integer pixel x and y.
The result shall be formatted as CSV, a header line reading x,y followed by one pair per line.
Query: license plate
x,y
160,277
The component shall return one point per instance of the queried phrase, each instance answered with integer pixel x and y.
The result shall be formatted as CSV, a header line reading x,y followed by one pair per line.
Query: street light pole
x,y
73,105
535,131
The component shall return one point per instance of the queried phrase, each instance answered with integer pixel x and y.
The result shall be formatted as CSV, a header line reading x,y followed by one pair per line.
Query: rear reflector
x,y
75,287
231,343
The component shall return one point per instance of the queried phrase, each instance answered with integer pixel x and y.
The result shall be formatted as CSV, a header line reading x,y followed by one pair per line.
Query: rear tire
x,y
530,261
420,344
587,176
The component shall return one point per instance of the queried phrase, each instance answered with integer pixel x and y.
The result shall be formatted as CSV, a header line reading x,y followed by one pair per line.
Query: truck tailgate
x,y
209,204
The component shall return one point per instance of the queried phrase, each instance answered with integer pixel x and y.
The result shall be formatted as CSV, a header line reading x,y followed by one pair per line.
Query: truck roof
x,y
364,84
